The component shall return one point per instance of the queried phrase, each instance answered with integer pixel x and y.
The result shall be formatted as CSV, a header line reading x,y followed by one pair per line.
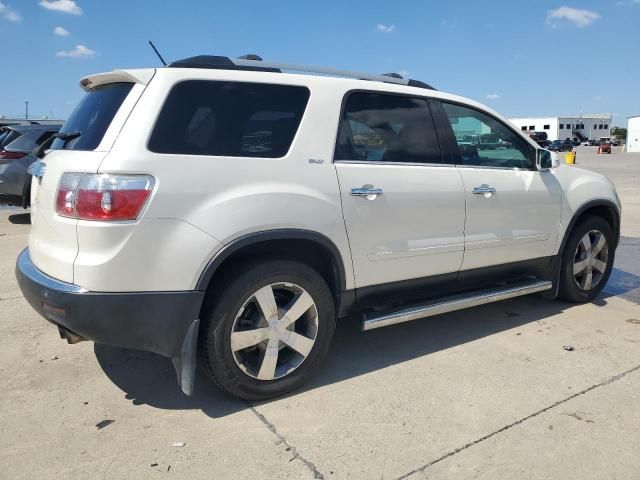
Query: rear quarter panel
x,y
229,197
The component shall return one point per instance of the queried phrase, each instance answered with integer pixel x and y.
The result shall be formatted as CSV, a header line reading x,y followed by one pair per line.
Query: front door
x,y
403,205
512,210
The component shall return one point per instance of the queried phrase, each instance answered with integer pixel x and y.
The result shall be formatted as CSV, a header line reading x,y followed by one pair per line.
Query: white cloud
x,y
579,17
64,6
492,96
80,51
385,28
9,14
61,32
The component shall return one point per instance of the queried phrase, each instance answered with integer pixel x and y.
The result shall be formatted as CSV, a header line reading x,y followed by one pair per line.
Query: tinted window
x,y
546,127
92,116
388,128
28,141
484,141
11,136
229,119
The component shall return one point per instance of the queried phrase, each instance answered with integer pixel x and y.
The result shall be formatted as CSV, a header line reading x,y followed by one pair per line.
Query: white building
x,y
633,134
575,127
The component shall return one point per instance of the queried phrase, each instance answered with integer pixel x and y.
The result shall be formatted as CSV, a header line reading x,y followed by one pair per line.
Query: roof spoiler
x,y
142,76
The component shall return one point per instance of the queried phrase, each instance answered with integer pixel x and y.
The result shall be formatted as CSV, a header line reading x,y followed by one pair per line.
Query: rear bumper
x,y
161,322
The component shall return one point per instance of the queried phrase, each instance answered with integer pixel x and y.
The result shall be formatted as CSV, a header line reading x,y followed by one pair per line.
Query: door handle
x,y
484,189
370,193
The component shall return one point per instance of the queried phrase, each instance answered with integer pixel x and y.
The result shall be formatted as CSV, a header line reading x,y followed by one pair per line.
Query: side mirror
x,y
545,160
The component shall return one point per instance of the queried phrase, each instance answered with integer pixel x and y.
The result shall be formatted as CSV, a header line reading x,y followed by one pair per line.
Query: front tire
x,y
587,260
267,329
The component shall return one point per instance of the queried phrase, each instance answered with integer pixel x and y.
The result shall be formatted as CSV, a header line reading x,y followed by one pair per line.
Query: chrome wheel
x,y
274,331
590,260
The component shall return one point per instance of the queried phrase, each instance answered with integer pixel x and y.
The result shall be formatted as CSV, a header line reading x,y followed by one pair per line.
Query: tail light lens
x,y
102,197
11,155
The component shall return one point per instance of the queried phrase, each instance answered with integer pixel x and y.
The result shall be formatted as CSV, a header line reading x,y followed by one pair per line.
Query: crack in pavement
x,y
2,299
451,453
289,448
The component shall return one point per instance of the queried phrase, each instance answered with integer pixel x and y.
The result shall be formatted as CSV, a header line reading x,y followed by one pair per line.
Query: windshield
x,y
92,116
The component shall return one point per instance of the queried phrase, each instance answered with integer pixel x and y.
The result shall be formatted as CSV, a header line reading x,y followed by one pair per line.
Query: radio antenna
x,y
157,53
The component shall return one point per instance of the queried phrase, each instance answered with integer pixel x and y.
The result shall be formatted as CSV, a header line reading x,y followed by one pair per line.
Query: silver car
x,y
16,144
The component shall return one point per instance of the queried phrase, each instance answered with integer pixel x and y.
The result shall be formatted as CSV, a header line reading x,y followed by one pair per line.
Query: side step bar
x,y
373,320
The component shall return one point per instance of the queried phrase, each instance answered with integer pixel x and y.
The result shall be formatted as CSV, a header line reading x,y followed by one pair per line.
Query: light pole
x,y
26,110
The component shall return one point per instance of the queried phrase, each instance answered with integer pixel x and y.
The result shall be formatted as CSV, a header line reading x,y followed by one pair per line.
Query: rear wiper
x,y
64,136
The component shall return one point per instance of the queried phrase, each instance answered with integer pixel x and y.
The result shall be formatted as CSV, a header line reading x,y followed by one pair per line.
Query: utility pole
x,y
26,110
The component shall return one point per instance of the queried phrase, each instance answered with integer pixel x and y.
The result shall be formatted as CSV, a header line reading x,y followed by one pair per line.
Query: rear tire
x,y
587,260
247,339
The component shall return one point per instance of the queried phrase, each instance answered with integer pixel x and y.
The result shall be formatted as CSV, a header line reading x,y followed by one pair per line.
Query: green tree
x,y
619,132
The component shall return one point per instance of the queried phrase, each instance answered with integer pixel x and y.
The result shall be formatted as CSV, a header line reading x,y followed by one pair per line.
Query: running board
x,y
373,320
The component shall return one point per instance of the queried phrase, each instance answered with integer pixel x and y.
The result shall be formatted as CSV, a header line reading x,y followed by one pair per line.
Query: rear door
x,y
403,204
98,118
512,210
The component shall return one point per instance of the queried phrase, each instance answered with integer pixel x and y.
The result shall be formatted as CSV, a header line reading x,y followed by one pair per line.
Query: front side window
x,y
230,119
387,128
484,141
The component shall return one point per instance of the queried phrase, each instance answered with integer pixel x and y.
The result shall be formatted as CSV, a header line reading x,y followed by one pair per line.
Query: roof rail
x,y
255,63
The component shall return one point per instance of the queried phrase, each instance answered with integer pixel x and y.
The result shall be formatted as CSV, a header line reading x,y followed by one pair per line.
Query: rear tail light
x,y
11,155
102,197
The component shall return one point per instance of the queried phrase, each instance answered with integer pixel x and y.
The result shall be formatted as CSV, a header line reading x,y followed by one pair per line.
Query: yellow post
x,y
570,158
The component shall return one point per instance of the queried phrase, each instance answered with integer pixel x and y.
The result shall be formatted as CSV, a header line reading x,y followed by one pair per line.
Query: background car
x,y
560,146
15,157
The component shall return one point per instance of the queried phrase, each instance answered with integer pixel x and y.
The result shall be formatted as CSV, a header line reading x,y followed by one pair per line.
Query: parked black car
x,y
561,146
16,144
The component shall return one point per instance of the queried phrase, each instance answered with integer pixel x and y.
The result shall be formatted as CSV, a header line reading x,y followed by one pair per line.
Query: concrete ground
x,y
485,393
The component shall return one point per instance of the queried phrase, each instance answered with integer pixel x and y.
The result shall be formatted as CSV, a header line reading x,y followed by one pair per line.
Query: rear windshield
x,y
29,140
11,136
92,116
230,119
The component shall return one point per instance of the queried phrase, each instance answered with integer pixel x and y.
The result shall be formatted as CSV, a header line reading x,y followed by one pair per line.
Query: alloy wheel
x,y
590,260
274,331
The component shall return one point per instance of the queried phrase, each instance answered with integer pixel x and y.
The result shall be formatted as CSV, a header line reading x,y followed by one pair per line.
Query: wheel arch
x,y
602,208
312,248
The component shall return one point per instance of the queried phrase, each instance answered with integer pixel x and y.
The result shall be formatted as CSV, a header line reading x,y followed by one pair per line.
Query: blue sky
x,y
537,57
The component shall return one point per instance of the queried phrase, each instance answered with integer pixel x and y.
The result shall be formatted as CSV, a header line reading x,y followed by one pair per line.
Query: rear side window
x,y
229,119
92,116
387,128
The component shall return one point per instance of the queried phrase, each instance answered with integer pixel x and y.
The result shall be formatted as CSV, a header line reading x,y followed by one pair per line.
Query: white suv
x,y
225,210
